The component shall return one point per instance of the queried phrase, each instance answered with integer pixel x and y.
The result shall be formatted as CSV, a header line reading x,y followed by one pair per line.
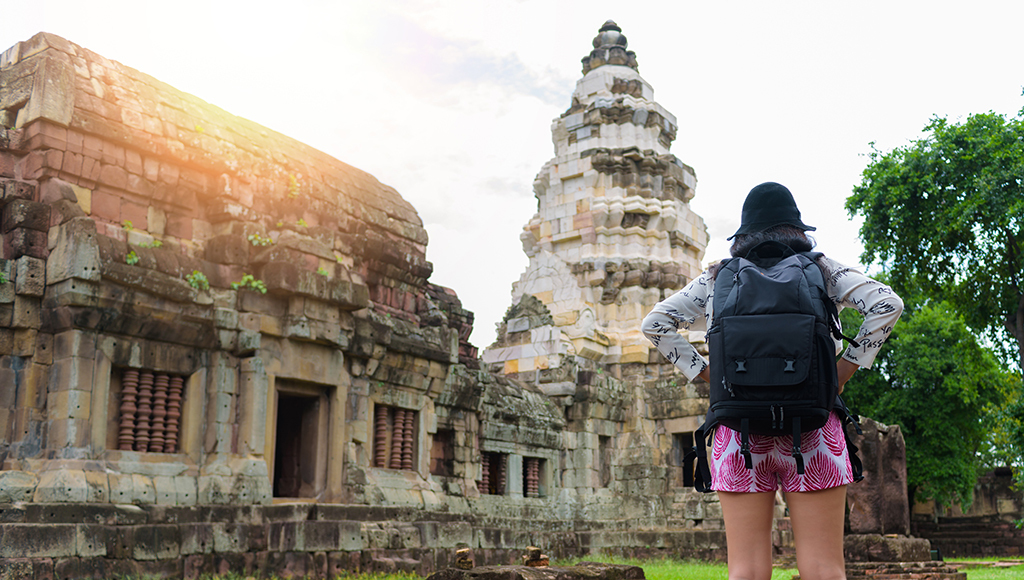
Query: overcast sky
x,y
451,102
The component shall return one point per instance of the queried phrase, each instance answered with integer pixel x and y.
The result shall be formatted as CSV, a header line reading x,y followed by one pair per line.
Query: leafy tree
x,y
941,386
946,212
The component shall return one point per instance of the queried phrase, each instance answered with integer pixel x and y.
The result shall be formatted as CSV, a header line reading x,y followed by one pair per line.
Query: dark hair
x,y
792,236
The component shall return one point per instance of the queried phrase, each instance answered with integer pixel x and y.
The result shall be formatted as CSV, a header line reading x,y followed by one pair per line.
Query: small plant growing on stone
x,y
293,186
127,225
132,258
199,129
322,271
301,223
153,244
3,279
198,280
279,224
249,282
258,240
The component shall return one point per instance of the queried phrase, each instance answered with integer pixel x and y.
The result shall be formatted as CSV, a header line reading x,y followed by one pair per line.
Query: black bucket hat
x,y
768,205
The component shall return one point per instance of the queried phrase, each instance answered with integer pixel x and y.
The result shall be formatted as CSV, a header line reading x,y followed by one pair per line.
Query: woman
x,y
816,501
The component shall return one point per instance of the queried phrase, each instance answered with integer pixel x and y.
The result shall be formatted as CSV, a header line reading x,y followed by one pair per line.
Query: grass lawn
x,y
676,569
984,572
694,570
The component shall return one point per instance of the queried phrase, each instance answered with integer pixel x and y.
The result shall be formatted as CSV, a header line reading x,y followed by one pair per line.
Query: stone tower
x,y
613,233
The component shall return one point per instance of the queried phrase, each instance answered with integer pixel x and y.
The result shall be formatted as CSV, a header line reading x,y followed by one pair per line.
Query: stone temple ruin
x,y
220,348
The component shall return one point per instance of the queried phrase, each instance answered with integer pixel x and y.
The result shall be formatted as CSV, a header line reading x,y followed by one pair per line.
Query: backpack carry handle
x,y
768,253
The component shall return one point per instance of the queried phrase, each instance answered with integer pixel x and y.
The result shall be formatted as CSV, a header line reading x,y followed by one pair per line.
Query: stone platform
x,y
902,571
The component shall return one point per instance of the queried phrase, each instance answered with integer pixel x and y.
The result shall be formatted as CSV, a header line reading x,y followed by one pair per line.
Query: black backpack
x,y
773,366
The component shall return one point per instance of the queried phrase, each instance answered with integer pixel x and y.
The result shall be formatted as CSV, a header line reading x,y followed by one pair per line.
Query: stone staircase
x,y
972,537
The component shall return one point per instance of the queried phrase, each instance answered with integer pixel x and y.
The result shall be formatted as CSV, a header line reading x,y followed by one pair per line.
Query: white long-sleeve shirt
x,y
691,309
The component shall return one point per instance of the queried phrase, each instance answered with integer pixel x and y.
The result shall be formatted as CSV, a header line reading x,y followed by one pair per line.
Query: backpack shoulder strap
x,y
725,279
831,312
702,479
846,417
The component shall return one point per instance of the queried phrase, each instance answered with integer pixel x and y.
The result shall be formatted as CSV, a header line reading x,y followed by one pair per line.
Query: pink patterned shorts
x,y
826,461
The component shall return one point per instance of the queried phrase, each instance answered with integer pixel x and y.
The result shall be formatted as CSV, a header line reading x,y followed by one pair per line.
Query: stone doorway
x,y
300,443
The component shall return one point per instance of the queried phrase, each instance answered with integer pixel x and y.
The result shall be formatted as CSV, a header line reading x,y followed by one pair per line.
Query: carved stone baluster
x,y
380,436
502,471
407,441
156,442
126,430
532,477
397,439
145,411
177,385
485,471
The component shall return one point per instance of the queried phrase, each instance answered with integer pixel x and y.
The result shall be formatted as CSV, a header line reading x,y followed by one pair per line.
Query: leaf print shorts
x,y
826,461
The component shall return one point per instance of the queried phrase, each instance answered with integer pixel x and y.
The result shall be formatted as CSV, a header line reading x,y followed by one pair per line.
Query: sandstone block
x,y
248,342
30,276
68,404
7,270
61,486
879,504
228,249
72,373
196,538
76,253
73,433
454,533
17,486
121,488
225,318
54,190
91,540
74,343
229,538
38,540
878,548
43,353
157,542
215,490
25,242
166,493
185,490
322,536
249,321
26,312
106,205
98,487
25,214
11,190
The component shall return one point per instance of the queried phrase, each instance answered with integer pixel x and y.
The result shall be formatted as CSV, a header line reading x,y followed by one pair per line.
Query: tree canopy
x,y
944,389
945,214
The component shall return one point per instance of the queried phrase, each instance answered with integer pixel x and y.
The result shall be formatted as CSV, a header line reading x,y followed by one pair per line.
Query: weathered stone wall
x,y
220,349
986,529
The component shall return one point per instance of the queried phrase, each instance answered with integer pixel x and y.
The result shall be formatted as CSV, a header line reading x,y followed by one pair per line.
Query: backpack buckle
x,y
741,366
789,366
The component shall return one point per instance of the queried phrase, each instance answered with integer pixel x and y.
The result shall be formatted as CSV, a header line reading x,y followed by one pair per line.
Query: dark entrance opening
x,y
297,446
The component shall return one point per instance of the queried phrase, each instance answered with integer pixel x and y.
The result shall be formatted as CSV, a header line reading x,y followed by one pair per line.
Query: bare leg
x,y
748,532
817,518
